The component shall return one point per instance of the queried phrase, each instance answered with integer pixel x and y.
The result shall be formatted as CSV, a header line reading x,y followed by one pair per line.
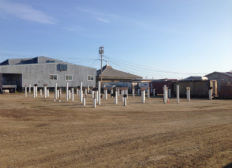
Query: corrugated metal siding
x,y
226,90
222,80
199,89
158,86
39,74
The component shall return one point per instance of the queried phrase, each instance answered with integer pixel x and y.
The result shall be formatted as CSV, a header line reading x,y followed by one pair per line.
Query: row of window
x,y
67,77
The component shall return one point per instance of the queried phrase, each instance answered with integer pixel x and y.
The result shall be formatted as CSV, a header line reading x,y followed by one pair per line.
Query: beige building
x,y
113,76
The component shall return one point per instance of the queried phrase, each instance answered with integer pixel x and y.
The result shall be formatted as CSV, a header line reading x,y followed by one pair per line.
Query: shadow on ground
x,y
228,166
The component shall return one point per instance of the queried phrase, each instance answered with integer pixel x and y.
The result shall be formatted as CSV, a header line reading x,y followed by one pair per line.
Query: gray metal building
x,y
45,71
224,82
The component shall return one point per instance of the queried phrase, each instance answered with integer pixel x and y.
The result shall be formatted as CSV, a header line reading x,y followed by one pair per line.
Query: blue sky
x,y
151,38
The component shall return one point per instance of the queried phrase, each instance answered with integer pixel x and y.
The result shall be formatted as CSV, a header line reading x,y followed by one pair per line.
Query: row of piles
x,y
96,95
70,94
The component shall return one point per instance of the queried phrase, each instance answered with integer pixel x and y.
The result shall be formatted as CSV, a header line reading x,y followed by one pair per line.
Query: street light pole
x,y
101,52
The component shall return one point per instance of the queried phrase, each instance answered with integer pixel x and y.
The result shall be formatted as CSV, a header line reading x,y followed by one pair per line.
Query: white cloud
x,y
103,20
106,17
111,17
25,12
73,28
101,17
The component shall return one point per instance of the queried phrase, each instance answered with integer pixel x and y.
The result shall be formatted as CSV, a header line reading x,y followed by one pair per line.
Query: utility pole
x,y
101,52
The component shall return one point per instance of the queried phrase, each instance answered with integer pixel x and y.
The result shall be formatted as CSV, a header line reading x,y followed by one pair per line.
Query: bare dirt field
x,y
43,134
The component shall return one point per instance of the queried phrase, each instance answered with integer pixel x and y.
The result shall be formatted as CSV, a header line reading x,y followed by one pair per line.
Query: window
x,y
62,67
68,77
90,78
53,77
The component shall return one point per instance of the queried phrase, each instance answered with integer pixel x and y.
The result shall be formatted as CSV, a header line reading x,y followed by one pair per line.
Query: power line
x,y
147,68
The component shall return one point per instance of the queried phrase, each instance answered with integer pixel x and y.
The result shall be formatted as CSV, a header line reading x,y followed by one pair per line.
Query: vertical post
x,y
48,92
29,88
69,94
116,97
169,93
81,87
188,93
25,88
178,93
133,92
60,91
92,94
165,94
45,91
94,103
59,94
122,94
148,93
99,92
111,92
124,102
56,92
106,94
81,96
88,89
101,52
84,101
34,92
210,94
96,96
153,92
143,96
77,92
67,90
73,94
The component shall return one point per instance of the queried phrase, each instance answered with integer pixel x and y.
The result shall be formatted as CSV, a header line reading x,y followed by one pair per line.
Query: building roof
x,y
229,74
164,80
110,73
195,78
35,60
143,80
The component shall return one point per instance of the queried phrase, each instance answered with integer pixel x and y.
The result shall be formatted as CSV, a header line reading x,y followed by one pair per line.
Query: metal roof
x,y
35,60
193,78
229,74
110,73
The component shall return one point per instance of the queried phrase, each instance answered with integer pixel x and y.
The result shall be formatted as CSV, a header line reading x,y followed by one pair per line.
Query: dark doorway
x,y
9,79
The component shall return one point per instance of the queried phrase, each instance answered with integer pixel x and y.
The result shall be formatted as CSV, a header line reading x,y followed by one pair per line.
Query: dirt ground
x,y
43,134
